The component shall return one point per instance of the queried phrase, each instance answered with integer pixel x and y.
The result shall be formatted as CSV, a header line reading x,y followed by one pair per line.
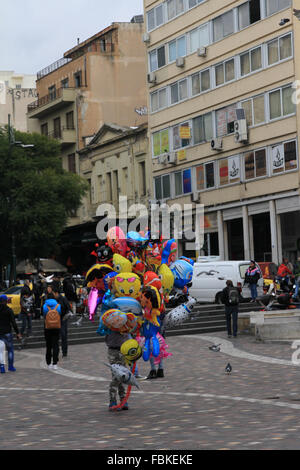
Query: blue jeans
x,y
253,289
26,321
297,283
231,312
8,340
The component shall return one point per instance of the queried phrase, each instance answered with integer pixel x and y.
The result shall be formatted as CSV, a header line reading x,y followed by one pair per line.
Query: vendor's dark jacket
x,y
115,339
7,320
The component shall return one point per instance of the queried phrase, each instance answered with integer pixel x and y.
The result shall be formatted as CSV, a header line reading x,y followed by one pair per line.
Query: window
x,y
199,37
224,72
142,178
71,163
255,164
202,128
249,13
18,86
160,142
155,17
162,187
52,92
108,187
193,3
200,82
44,129
251,61
174,8
225,118
254,110
177,49
279,49
70,120
280,102
223,25
205,176
284,157
157,58
179,91
181,135
276,5
65,83
158,100
229,170
57,128
183,182
78,79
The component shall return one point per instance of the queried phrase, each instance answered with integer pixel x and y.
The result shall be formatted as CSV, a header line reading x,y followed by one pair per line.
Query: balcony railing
x,y
58,133
54,95
51,68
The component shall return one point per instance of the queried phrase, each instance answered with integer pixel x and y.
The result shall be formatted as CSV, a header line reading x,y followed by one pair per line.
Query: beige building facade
x,y
224,120
100,80
16,92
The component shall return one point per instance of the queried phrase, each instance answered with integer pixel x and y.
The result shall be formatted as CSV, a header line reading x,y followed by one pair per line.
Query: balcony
x,y
65,135
54,101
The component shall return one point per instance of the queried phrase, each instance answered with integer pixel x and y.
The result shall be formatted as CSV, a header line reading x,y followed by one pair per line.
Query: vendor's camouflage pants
x,y
115,357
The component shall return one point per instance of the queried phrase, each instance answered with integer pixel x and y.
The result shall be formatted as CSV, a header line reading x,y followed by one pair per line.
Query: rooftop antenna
x,y
78,41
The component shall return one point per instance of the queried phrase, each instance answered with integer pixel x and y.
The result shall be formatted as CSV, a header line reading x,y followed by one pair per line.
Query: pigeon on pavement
x,y
215,347
228,368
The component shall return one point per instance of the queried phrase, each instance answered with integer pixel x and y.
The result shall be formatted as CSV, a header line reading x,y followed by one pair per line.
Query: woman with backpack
x,y
52,317
230,297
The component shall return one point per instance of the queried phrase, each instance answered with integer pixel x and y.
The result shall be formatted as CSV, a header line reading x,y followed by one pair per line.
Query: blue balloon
x,y
182,272
151,341
128,304
135,239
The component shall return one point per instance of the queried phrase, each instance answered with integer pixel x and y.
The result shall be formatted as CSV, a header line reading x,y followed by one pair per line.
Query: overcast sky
x,y
35,33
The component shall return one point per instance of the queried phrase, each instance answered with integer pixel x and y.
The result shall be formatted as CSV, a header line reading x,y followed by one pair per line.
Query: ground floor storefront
x,y
264,229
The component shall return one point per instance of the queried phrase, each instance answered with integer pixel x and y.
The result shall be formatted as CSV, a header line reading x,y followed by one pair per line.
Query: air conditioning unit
x,y
216,144
240,130
163,159
146,37
195,196
202,51
172,158
151,77
180,62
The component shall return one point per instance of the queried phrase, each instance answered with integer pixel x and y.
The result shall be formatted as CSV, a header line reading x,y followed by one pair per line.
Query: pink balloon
x,y
92,302
117,241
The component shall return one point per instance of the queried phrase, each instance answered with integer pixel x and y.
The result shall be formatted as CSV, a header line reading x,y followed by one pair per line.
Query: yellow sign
x,y
181,155
184,132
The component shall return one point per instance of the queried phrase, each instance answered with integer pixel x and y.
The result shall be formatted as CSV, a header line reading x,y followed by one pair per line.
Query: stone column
x,y
273,225
220,235
247,254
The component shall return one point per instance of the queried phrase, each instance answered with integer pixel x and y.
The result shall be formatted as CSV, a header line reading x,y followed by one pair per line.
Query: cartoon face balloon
x,y
182,272
167,278
169,252
121,264
117,241
127,285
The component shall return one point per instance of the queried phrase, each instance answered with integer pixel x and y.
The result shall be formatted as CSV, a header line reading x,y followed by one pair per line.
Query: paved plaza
x,y
195,406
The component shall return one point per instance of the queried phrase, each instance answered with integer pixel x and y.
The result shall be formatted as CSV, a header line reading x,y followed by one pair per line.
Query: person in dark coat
x,y
65,310
231,308
7,323
69,288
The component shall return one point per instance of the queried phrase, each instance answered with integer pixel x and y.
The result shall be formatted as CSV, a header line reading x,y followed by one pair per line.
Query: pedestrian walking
x,y
26,303
69,288
7,323
252,276
65,311
114,342
52,317
230,298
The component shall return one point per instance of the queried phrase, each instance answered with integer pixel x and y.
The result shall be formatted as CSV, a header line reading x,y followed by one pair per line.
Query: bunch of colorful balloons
x,y
130,285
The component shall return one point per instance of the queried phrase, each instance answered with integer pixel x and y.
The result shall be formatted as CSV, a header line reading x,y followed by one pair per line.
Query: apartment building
x,y
224,120
17,90
101,79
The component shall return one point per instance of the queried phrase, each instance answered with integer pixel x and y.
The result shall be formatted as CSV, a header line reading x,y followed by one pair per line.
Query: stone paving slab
x,y
196,406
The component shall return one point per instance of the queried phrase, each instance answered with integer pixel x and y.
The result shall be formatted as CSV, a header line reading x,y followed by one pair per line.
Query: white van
x,y
209,279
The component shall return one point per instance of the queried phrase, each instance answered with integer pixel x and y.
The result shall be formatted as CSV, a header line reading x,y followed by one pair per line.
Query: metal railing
x,y
58,133
54,95
51,68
